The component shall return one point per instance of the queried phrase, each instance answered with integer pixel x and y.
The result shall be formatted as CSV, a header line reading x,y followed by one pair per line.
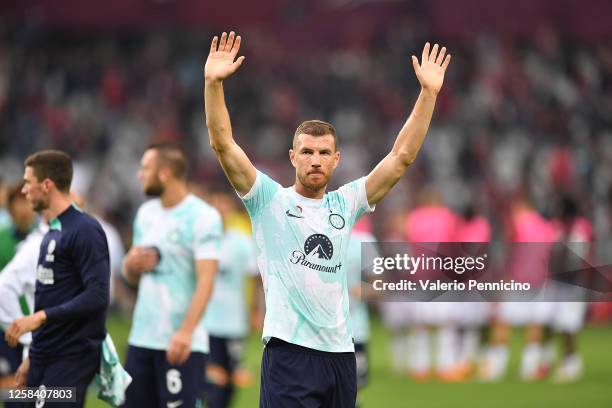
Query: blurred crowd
x,y
519,119
515,117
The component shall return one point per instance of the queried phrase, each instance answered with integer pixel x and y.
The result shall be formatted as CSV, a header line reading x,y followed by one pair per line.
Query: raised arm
x,y
387,173
219,66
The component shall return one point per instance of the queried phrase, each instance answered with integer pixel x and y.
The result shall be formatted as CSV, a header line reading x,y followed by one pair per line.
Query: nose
x,y
315,160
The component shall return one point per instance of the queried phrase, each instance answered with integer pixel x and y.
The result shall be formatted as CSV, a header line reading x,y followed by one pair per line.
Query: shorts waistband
x,y
275,342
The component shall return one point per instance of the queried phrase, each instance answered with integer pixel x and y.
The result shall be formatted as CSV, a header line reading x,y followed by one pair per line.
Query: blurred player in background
x,y
18,282
360,317
173,260
21,221
227,317
575,236
72,288
471,317
431,221
531,237
302,235
5,218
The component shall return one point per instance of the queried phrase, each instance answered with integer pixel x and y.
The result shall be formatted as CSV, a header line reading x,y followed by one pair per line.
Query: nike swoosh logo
x,y
289,214
174,404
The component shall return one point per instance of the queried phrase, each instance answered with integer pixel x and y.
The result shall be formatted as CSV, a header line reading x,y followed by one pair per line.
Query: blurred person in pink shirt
x,y
531,239
431,222
575,237
472,318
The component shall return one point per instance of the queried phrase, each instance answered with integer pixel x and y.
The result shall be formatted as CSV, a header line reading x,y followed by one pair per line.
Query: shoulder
x,y
86,222
149,206
237,238
263,183
201,208
203,214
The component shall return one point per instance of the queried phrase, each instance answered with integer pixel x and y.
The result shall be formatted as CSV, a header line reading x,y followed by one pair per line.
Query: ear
x,y
336,159
164,173
292,157
47,185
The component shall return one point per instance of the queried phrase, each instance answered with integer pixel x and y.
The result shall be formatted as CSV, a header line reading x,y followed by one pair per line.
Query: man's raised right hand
x,y
220,63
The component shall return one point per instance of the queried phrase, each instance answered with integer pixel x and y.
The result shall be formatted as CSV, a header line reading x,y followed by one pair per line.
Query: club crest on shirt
x,y
45,275
337,221
50,249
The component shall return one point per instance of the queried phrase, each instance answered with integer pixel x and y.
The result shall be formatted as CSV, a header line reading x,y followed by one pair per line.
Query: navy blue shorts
x,y
226,352
225,357
156,383
295,376
77,371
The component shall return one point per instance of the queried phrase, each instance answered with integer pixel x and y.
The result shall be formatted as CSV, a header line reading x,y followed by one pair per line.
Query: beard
x,y
155,189
39,205
307,182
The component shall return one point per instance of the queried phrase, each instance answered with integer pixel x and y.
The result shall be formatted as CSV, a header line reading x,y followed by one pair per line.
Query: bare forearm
x,y
217,116
412,135
198,304
407,144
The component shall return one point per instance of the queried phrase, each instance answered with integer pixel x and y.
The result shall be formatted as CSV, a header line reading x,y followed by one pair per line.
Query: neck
x,y
307,192
174,193
58,205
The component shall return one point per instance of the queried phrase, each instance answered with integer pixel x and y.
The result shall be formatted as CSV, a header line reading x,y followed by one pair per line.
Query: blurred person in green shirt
x,y
23,220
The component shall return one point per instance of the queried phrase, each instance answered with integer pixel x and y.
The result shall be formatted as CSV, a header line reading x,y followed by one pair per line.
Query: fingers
x,y
223,41
434,53
425,54
236,46
415,63
177,354
228,43
441,56
213,44
238,63
441,59
20,379
182,355
12,335
171,356
446,61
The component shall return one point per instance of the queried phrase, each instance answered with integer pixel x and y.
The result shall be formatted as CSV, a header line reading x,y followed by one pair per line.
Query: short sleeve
x,y
355,199
263,191
207,235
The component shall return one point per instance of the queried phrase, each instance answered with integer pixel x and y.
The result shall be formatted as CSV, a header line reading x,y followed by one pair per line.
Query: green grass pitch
x,y
387,389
